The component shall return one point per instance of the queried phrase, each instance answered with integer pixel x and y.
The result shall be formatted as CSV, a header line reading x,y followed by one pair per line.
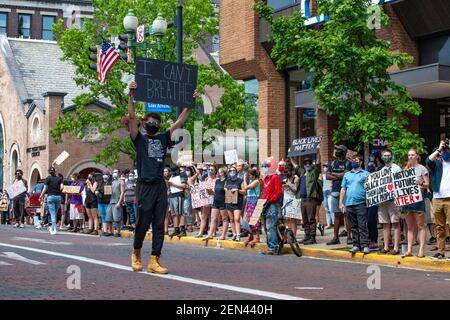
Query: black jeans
x,y
152,206
19,210
5,216
357,218
309,208
372,224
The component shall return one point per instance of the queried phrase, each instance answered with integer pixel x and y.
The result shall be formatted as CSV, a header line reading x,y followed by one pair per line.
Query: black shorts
x,y
218,205
91,205
237,206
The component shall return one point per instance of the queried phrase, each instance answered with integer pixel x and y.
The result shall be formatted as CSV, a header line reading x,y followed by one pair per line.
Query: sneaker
x,y
16,225
349,241
354,250
39,226
311,240
366,250
431,241
21,226
321,229
106,234
234,237
438,256
343,234
374,247
238,237
333,241
53,232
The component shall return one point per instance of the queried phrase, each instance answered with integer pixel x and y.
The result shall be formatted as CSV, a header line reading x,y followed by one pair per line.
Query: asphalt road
x,y
36,265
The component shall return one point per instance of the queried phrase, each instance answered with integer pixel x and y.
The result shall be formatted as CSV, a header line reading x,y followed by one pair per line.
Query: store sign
x,y
306,10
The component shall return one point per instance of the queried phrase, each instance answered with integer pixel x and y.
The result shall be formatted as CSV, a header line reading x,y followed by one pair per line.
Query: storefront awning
x,y
426,82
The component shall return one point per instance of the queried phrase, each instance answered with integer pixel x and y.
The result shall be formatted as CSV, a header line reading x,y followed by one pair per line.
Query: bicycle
x,y
284,234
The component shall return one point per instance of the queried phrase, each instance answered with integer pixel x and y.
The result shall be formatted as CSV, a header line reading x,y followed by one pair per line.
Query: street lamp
x,y
159,25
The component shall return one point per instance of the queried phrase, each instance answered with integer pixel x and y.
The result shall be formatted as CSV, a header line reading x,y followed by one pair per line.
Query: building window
x,y
280,4
91,134
215,44
47,26
35,130
3,22
24,25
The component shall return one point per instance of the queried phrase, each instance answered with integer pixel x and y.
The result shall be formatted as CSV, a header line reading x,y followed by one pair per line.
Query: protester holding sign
x,y
192,174
388,212
415,212
335,173
103,197
19,200
218,206
76,202
176,200
253,192
353,201
440,185
290,188
206,210
234,184
151,149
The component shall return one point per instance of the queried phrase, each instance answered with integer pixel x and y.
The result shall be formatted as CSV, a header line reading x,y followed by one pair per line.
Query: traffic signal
x,y
93,57
123,46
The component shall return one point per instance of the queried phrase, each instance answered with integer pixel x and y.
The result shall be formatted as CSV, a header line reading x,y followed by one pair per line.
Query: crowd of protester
x,y
331,195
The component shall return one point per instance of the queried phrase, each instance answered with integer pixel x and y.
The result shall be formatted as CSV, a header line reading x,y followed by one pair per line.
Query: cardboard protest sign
x,y
293,209
406,190
231,197
257,212
231,156
199,197
380,187
71,189
185,158
16,189
304,146
107,190
61,158
164,82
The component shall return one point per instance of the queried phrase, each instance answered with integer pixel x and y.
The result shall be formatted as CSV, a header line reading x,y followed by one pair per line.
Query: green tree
x,y
198,21
349,72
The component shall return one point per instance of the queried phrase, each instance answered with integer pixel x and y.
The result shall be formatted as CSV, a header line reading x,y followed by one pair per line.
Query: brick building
x,y
33,94
284,99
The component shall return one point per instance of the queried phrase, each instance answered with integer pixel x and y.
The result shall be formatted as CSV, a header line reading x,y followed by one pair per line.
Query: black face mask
x,y
151,127
339,154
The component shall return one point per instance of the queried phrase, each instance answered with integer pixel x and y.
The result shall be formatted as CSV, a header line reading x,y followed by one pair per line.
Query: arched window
x,y
35,130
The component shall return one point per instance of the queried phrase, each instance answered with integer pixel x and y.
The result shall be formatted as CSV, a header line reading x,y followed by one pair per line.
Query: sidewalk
x,y
321,250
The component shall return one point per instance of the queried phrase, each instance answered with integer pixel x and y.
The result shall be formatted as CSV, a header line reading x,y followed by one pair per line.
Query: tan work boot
x,y
155,267
136,263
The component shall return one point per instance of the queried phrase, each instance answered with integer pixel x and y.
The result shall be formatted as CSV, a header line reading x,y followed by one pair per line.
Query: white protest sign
x,y
380,187
176,179
185,158
257,212
293,209
406,189
16,189
205,185
231,156
61,158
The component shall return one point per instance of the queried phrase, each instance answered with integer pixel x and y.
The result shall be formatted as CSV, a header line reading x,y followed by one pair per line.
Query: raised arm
x,y
180,121
132,123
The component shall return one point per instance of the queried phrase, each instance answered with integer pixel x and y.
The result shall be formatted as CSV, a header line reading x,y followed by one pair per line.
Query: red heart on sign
x,y
417,197
390,187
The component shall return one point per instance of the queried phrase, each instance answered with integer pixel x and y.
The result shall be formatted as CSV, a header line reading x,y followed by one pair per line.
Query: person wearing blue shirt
x,y
352,200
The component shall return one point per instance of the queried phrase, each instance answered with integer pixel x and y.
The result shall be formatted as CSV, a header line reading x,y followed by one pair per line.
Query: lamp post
x,y
159,26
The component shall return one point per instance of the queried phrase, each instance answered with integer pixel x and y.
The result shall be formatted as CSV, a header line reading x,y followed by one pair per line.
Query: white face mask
x,y
265,171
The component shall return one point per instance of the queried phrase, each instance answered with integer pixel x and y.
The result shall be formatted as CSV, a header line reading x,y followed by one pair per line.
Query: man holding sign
x,y
151,194
19,199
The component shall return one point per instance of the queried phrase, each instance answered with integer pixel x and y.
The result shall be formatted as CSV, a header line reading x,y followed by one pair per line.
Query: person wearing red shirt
x,y
272,191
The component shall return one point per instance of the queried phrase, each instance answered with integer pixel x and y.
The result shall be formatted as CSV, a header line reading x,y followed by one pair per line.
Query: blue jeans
x,y
131,209
327,205
271,222
102,207
53,203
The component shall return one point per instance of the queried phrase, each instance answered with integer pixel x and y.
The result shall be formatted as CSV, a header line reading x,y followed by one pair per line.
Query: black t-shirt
x,y
235,184
219,191
338,166
53,184
151,154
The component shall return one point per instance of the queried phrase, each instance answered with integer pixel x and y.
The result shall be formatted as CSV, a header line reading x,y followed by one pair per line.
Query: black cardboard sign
x,y
304,146
164,82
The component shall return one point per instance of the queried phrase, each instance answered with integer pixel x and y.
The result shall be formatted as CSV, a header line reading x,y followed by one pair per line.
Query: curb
x,y
373,258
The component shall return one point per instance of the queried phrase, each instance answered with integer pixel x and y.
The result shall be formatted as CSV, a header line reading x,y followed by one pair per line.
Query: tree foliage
x,y
349,66
198,21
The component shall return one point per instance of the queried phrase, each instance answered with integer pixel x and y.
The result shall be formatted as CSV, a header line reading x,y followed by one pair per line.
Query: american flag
x,y
107,57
